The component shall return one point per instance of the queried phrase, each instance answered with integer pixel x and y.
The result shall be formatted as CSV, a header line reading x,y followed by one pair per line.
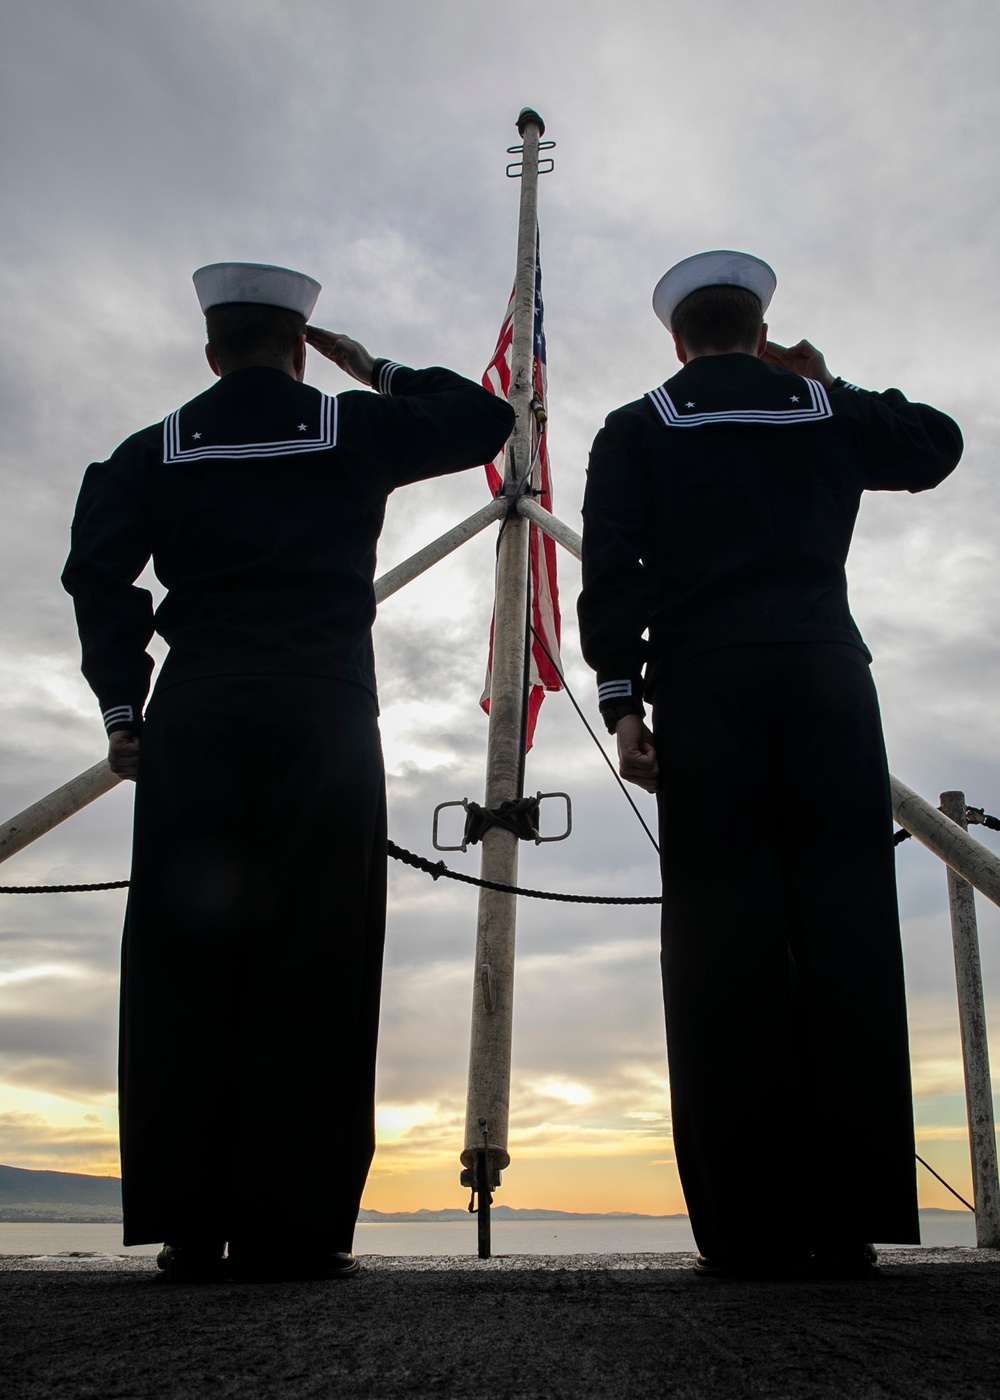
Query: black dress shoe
x,y
270,1265
846,1261
340,1264
711,1266
761,1264
192,1263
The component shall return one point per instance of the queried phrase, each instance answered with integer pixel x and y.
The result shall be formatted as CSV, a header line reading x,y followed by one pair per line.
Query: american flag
x,y
544,595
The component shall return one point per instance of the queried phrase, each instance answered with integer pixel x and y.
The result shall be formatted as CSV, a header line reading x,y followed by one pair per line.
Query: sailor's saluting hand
x,y
802,358
347,354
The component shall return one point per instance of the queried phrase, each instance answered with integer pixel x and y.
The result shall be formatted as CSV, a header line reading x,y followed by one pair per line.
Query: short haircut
x,y
719,318
250,333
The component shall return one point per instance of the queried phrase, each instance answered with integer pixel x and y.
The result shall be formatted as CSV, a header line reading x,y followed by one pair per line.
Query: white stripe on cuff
x,y
117,714
614,690
384,385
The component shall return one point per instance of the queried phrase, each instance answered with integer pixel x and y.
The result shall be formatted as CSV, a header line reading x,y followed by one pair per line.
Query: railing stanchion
x,y
975,1047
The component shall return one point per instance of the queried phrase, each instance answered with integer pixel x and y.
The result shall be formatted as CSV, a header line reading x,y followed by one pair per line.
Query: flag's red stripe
x,y
545,618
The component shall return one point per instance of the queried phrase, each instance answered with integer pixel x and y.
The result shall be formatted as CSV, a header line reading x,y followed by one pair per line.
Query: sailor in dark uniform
x,y
718,515
255,924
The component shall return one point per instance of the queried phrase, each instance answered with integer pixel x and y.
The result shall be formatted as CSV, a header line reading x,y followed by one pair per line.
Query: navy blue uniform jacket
x,y
260,502
719,510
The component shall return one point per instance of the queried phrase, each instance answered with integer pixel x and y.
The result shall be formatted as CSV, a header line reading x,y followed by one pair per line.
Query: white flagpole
x,y
488,1103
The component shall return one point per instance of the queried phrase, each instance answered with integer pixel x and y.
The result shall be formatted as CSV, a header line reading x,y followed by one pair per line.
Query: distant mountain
x,y
67,1197
19,1186
437,1217
72,1198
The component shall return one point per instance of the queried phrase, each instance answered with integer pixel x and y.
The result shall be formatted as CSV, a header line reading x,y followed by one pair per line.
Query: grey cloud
x,y
59,1038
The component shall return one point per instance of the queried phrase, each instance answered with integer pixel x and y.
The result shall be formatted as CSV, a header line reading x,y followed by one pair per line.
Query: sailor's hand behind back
x,y
347,354
802,359
636,754
123,754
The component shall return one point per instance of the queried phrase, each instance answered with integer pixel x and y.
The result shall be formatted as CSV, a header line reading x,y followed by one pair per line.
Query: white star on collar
x,y
689,405
196,436
795,398
303,427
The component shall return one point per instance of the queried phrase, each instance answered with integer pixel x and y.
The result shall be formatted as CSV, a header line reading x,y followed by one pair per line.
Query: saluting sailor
x,y
718,515
255,925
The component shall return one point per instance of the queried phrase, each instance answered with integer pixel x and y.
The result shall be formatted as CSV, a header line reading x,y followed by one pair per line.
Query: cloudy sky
x,y
851,146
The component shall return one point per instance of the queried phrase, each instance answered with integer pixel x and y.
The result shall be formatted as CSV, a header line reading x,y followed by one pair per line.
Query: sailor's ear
x,y
213,362
299,358
680,347
762,340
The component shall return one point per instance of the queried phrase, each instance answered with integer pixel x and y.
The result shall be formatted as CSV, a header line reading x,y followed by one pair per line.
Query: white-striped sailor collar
x,y
776,400
186,442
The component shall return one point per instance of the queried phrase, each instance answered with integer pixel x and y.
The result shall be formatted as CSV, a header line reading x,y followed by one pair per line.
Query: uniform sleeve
x,y
612,607
111,545
431,422
904,446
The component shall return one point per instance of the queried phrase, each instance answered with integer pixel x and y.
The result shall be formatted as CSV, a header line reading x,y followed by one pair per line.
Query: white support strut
x,y
49,811
394,579
552,525
962,852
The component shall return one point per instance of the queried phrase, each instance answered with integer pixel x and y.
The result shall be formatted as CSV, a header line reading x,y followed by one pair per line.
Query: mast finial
x,y
528,114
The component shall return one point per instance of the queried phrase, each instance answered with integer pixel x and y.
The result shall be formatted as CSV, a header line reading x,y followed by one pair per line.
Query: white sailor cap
x,y
720,268
256,282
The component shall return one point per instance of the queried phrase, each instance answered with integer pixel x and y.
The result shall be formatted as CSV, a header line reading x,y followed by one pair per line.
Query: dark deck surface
x,y
523,1326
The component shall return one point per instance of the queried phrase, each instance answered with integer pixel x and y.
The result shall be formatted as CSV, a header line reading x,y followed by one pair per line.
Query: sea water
x,y
608,1236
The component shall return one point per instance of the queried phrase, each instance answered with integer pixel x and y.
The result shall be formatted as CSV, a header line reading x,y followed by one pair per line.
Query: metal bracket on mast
x,y
519,815
515,490
545,166
541,167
